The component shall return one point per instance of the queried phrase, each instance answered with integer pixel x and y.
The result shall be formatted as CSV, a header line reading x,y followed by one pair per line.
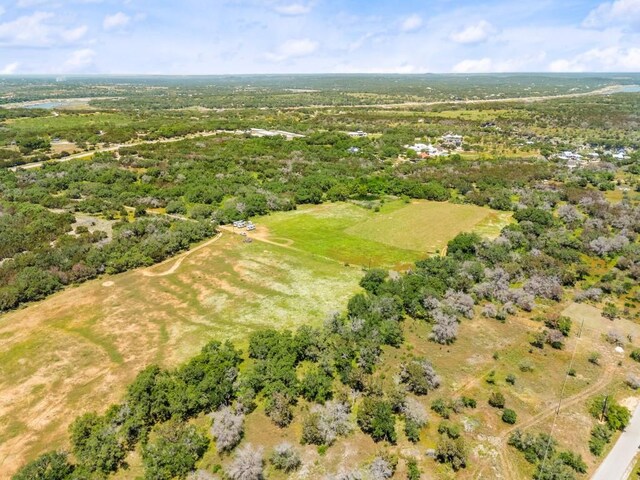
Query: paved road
x,y
619,463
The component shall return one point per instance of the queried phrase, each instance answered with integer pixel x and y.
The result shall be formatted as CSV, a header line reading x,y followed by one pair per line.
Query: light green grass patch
x,y
395,237
427,226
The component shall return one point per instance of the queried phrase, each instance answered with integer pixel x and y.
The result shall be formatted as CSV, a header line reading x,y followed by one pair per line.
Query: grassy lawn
x,y
396,236
77,350
618,195
636,470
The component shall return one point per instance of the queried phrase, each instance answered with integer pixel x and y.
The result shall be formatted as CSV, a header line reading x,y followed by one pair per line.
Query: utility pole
x,y
604,408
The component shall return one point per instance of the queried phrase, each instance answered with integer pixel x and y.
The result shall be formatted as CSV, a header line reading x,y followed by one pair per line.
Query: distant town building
x,y
358,134
423,150
452,140
569,155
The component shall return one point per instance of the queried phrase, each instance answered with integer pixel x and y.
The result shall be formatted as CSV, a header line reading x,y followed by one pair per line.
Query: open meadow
x,y
394,237
78,350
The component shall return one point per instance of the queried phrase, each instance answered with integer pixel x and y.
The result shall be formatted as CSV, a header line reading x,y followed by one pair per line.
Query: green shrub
x,y
173,450
413,472
375,417
616,416
497,400
451,430
600,436
509,416
49,466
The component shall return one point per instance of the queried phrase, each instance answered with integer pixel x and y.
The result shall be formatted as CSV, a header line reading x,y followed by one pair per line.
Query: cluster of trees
x,y
40,258
154,413
541,450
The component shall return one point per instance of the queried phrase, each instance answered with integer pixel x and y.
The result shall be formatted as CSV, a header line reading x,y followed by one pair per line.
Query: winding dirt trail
x,y
178,261
113,148
508,471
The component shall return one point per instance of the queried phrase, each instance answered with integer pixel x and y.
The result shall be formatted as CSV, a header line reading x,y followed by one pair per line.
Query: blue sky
x,y
323,36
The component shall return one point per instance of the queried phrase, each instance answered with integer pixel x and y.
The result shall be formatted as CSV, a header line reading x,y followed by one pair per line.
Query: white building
x,y
358,134
452,140
430,150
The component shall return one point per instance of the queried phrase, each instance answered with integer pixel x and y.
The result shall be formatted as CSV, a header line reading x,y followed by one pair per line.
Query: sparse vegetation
x,y
284,457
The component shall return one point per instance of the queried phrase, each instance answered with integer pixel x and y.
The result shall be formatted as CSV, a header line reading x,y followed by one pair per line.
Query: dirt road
x,y
602,91
113,148
149,272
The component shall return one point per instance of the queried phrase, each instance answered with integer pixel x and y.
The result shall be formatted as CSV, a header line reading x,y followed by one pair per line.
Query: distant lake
x,y
47,105
627,89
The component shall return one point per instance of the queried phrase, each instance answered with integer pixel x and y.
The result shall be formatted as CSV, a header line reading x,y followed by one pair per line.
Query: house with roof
x,y
452,140
426,150
358,134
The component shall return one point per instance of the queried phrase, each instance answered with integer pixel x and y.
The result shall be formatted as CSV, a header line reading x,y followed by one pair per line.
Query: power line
x,y
564,385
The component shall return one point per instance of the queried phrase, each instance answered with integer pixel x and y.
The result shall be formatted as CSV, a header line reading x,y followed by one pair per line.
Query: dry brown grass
x,y
77,350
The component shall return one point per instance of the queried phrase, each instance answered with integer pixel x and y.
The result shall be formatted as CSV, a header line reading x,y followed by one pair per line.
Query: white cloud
x,y
75,34
610,59
625,12
411,24
116,21
79,61
475,33
293,9
398,69
483,65
293,49
38,30
489,65
9,68
563,65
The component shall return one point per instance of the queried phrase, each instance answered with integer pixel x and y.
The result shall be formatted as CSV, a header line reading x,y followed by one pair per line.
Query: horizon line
x,y
395,74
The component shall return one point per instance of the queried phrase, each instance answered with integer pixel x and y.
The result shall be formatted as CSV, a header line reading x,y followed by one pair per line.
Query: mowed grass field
x,y
394,237
77,350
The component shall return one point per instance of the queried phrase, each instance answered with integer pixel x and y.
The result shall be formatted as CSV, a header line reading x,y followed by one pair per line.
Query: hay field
x,y
396,236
